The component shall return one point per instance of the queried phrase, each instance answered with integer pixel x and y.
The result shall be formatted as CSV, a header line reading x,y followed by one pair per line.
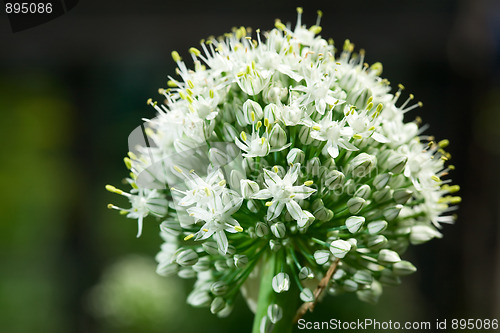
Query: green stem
x,y
288,300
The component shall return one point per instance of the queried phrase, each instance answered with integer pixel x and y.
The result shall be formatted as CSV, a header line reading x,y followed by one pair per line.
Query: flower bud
x,y
321,257
220,265
199,298
354,223
363,191
248,188
318,203
350,286
252,111
306,222
167,269
274,93
376,242
270,112
386,256
354,243
235,178
295,156
403,267
210,247
363,277
171,227
376,226
217,305
240,260
266,326
339,274
355,204
274,245
230,263
323,214
396,162
219,288
252,207
340,248
187,257
281,282
261,229
186,273
334,179
313,166
305,135
277,137
240,117
278,229
381,180
218,157
383,195
372,294
392,212
202,265
306,273
306,295
362,165
402,195
274,313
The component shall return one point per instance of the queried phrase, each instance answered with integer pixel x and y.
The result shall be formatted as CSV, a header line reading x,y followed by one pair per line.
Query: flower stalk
x,y
267,298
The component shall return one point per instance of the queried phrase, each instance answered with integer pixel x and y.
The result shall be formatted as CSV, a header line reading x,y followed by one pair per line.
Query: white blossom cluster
x,y
318,167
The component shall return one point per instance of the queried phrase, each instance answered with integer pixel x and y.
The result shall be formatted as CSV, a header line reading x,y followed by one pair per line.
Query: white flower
x,y
217,218
199,191
364,125
284,193
318,90
143,203
335,133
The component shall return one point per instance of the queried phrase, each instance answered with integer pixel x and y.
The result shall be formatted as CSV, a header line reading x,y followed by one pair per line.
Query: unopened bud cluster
x,y
328,171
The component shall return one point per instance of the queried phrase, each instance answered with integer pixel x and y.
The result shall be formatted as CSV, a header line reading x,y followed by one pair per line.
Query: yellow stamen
x,y
128,162
194,51
444,143
188,237
176,56
113,189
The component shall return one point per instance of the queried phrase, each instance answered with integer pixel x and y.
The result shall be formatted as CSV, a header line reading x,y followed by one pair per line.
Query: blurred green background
x,y
72,90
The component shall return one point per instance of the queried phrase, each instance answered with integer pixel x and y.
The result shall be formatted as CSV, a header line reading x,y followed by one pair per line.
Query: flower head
x,y
321,186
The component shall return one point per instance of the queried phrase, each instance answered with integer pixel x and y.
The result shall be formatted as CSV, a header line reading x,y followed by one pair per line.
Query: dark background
x,y
71,90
